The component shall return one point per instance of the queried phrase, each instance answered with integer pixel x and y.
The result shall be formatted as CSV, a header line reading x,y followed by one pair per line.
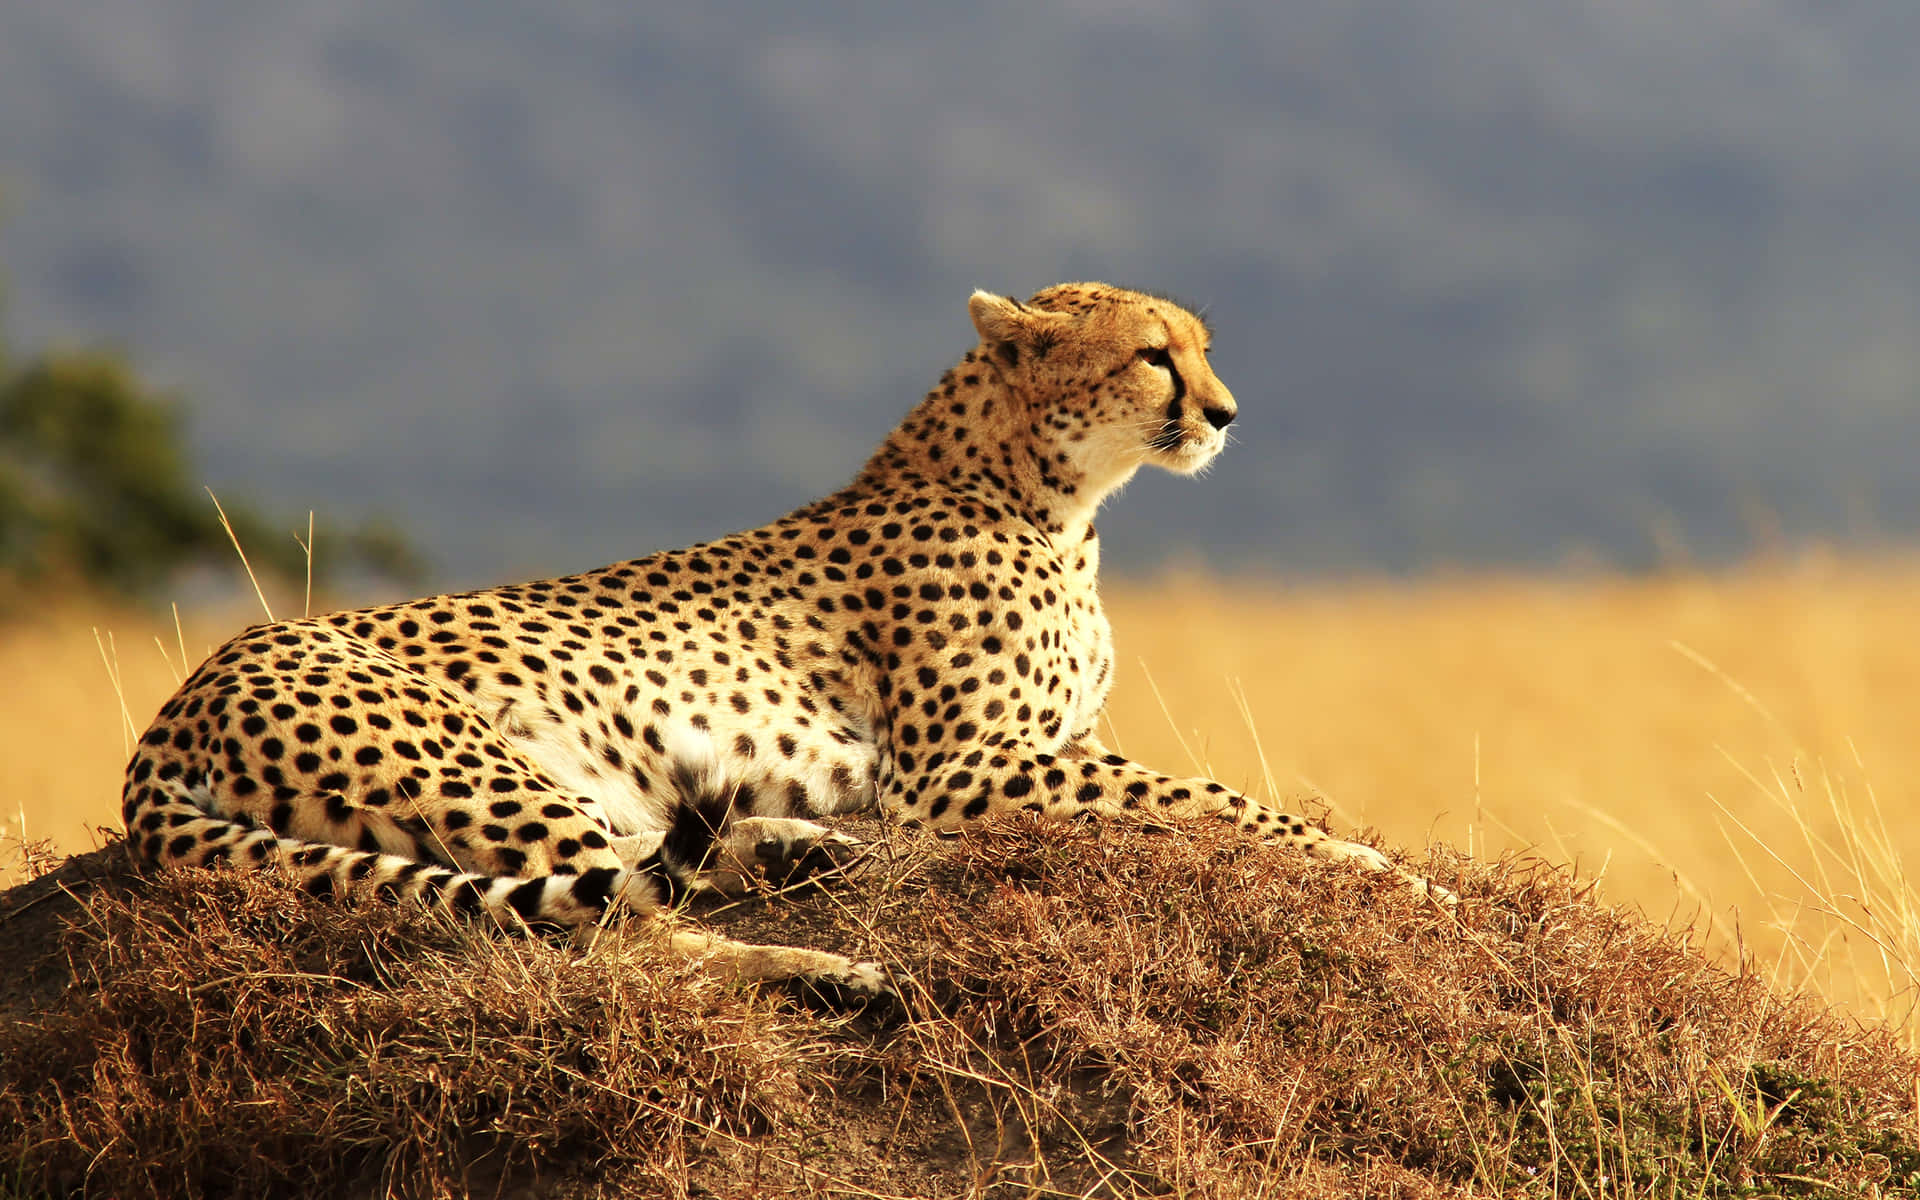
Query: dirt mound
x,y
1089,1010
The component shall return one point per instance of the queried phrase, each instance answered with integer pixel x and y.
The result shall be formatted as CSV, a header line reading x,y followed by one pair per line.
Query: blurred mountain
x,y
563,282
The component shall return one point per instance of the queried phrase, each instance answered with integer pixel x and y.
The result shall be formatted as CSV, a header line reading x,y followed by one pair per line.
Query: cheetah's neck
x,y
976,434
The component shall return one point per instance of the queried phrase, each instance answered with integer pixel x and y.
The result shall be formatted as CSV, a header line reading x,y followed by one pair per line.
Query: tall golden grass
x,y
65,733
1733,752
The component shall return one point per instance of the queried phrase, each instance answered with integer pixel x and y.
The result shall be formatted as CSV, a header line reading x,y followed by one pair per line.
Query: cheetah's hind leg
x,y
717,842
831,979
1336,850
741,857
834,980
782,851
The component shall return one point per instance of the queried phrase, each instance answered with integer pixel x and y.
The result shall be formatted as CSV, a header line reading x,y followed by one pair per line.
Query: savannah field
x,y
1734,753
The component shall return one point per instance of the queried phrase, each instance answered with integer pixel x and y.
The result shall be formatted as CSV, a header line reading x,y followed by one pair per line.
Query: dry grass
x,y
1736,749
1092,1012
1704,744
64,733
223,1036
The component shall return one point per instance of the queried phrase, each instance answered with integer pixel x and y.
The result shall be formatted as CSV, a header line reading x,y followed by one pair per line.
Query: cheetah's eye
x,y
1156,356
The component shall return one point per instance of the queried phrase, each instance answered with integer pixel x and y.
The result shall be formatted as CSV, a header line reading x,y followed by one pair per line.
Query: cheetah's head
x,y
1116,379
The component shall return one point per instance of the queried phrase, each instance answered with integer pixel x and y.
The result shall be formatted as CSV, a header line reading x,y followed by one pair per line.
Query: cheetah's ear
x,y
1002,319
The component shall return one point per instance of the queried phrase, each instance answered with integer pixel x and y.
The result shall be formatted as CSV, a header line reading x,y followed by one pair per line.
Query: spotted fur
x,y
928,640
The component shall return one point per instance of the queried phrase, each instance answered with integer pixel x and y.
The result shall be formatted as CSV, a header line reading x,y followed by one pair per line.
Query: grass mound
x,y
1092,1010
221,1034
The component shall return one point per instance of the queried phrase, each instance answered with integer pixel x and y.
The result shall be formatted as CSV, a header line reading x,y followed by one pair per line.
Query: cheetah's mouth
x,y
1184,451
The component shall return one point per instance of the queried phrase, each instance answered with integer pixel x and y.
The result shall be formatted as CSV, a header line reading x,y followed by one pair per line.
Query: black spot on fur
x,y
526,898
594,888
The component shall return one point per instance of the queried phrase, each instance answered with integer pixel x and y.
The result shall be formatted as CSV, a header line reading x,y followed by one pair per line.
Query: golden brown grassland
x,y
1084,1012
1706,744
1089,1011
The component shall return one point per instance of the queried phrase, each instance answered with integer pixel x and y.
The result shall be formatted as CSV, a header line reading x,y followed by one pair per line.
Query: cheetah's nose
x,y
1219,418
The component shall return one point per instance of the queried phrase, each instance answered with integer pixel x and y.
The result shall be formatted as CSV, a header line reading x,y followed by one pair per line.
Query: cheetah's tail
x,y
166,827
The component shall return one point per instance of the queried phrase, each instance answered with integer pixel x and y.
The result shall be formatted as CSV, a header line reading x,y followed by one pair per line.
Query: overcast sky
x,y
559,283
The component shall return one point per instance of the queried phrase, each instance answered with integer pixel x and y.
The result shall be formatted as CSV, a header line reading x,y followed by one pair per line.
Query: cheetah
x,y
927,641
